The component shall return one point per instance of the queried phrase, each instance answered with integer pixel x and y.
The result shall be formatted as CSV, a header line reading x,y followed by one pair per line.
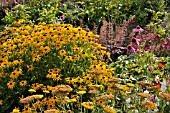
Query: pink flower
x,y
130,49
152,98
138,29
146,47
16,2
151,35
135,42
157,38
62,17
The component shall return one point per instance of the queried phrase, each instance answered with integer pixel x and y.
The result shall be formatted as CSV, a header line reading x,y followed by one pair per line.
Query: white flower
x,y
146,91
66,98
163,86
156,110
156,79
136,111
128,100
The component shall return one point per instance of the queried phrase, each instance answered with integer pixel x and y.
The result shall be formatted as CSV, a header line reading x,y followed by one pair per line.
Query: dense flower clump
x,y
58,68
41,57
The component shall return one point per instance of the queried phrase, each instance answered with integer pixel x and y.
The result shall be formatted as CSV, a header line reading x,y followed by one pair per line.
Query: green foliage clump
x,y
17,13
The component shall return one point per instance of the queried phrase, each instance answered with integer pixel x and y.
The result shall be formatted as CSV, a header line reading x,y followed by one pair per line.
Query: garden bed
x,y
67,57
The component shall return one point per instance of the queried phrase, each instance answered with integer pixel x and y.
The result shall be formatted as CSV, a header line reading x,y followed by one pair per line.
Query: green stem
x,y
81,102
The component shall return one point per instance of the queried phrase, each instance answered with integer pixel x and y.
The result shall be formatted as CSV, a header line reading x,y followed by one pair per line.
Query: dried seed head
x,y
144,83
94,91
114,80
105,97
26,100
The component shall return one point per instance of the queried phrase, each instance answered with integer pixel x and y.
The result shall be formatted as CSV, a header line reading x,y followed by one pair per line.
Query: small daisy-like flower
x,y
69,58
62,52
23,83
30,67
36,58
130,49
1,101
135,41
11,84
14,75
51,106
82,88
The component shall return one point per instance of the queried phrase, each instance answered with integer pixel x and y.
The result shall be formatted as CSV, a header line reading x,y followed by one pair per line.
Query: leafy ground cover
x,y
66,57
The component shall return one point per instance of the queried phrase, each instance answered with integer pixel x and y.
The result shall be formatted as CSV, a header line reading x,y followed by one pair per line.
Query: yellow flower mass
x,y
41,58
88,105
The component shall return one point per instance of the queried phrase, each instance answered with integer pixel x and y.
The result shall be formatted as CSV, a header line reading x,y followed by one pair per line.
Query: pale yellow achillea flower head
x,y
81,92
16,110
71,100
32,90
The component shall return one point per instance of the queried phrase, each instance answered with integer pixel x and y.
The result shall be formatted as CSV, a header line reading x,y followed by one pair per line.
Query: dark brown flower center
x,y
134,40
